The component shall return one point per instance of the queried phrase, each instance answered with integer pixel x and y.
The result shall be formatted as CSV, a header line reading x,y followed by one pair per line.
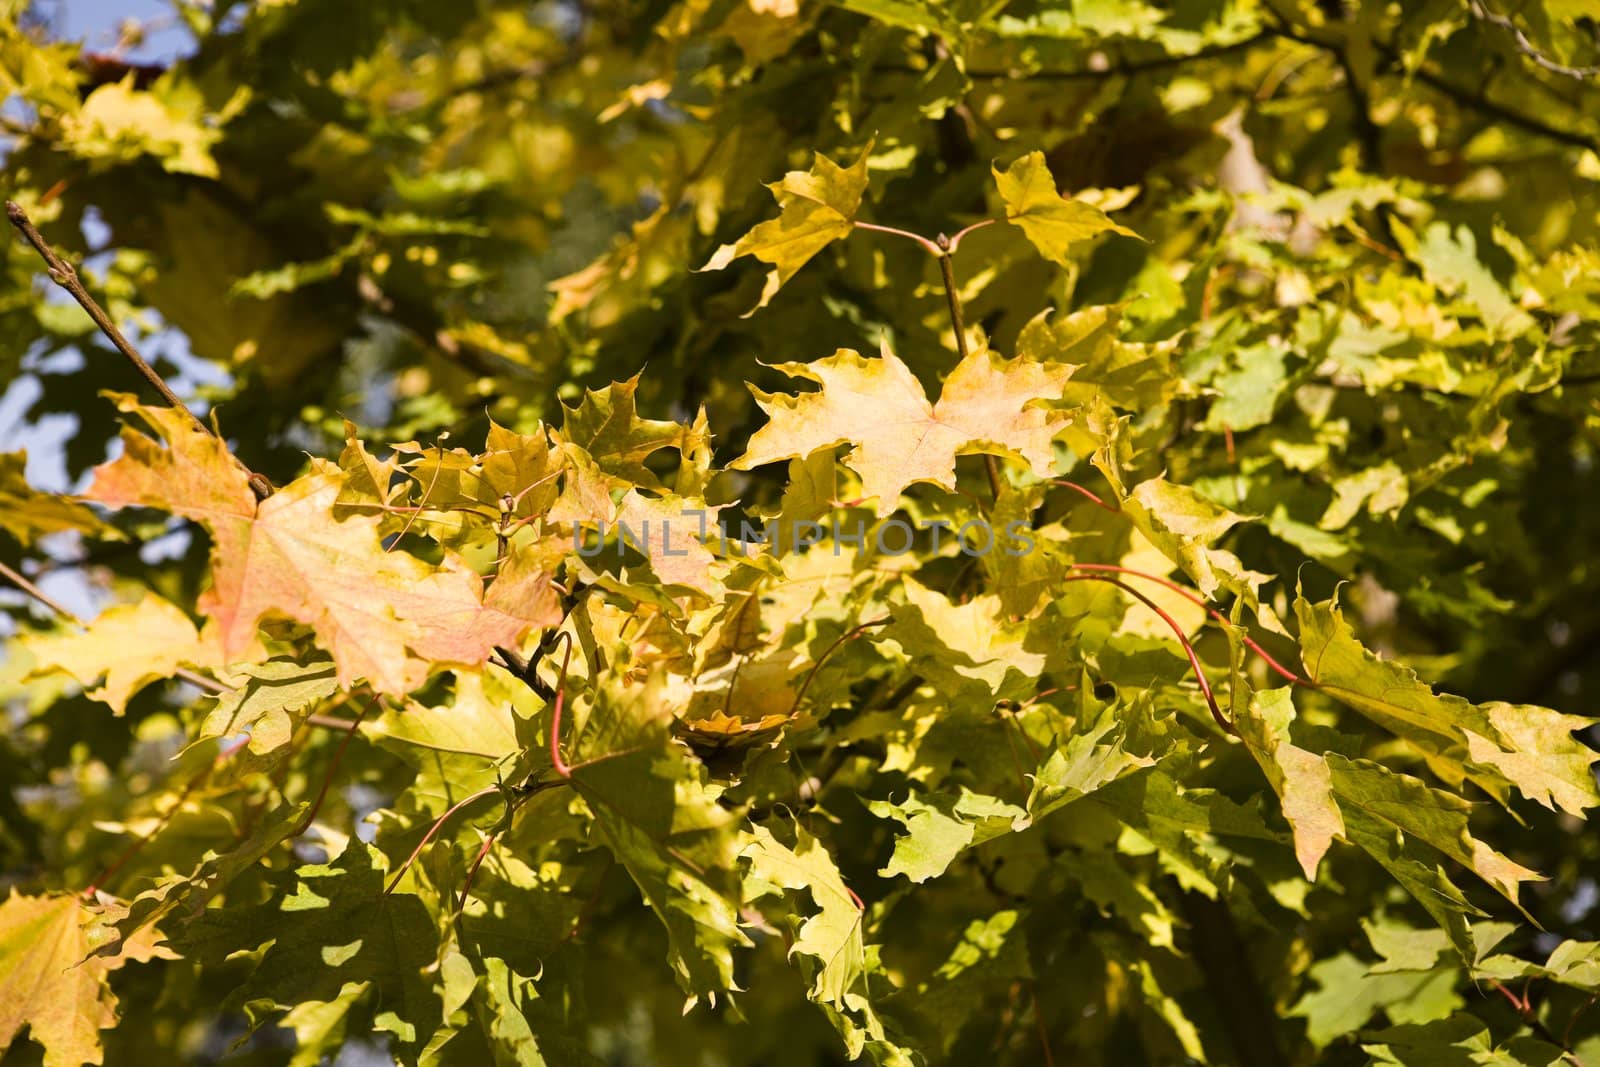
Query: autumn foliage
x,y
1096,567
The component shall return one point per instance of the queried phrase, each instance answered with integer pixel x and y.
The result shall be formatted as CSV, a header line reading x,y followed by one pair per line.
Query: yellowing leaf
x,y
900,438
831,936
119,122
818,207
967,650
1397,819
1185,525
129,646
268,702
1497,744
1052,222
1300,778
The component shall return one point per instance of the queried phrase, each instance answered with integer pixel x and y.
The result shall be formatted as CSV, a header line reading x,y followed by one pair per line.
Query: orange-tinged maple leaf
x,y
384,616
53,980
900,438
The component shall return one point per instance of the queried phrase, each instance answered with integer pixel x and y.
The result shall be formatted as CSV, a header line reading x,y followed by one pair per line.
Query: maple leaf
x,y
1497,744
331,927
1185,525
940,826
986,406
1049,220
129,646
818,207
53,980
384,616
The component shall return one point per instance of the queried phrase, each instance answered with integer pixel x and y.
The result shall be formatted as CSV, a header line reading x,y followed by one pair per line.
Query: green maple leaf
x,y
330,927
940,826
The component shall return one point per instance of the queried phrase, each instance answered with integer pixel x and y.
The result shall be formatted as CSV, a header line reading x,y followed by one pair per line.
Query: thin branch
x,y
1482,12
848,635
1183,639
63,274
1195,599
1529,1015
1476,99
927,245
1087,494
1101,71
488,791
955,242
352,727
22,583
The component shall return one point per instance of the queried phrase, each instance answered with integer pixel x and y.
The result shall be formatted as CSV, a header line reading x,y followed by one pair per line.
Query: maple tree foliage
x,y
1094,564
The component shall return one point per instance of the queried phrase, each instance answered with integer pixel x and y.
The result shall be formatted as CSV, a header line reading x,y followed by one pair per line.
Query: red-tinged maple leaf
x,y
384,616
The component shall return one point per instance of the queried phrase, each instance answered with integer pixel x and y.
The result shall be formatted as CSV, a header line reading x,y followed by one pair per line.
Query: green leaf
x,y
327,928
271,701
1406,826
1349,994
939,827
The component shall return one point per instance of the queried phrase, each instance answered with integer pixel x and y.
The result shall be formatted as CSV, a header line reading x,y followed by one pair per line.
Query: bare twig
x,y
351,728
1476,99
946,248
926,245
1484,13
63,274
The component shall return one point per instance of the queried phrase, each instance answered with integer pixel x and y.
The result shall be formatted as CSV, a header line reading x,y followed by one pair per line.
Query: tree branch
x,y
63,274
1483,13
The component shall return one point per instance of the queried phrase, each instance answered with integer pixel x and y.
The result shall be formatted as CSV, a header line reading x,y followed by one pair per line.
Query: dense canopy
x,y
776,532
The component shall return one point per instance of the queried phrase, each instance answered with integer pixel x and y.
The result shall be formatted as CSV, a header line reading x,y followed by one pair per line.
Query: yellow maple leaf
x,y
1048,219
130,646
818,207
987,406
